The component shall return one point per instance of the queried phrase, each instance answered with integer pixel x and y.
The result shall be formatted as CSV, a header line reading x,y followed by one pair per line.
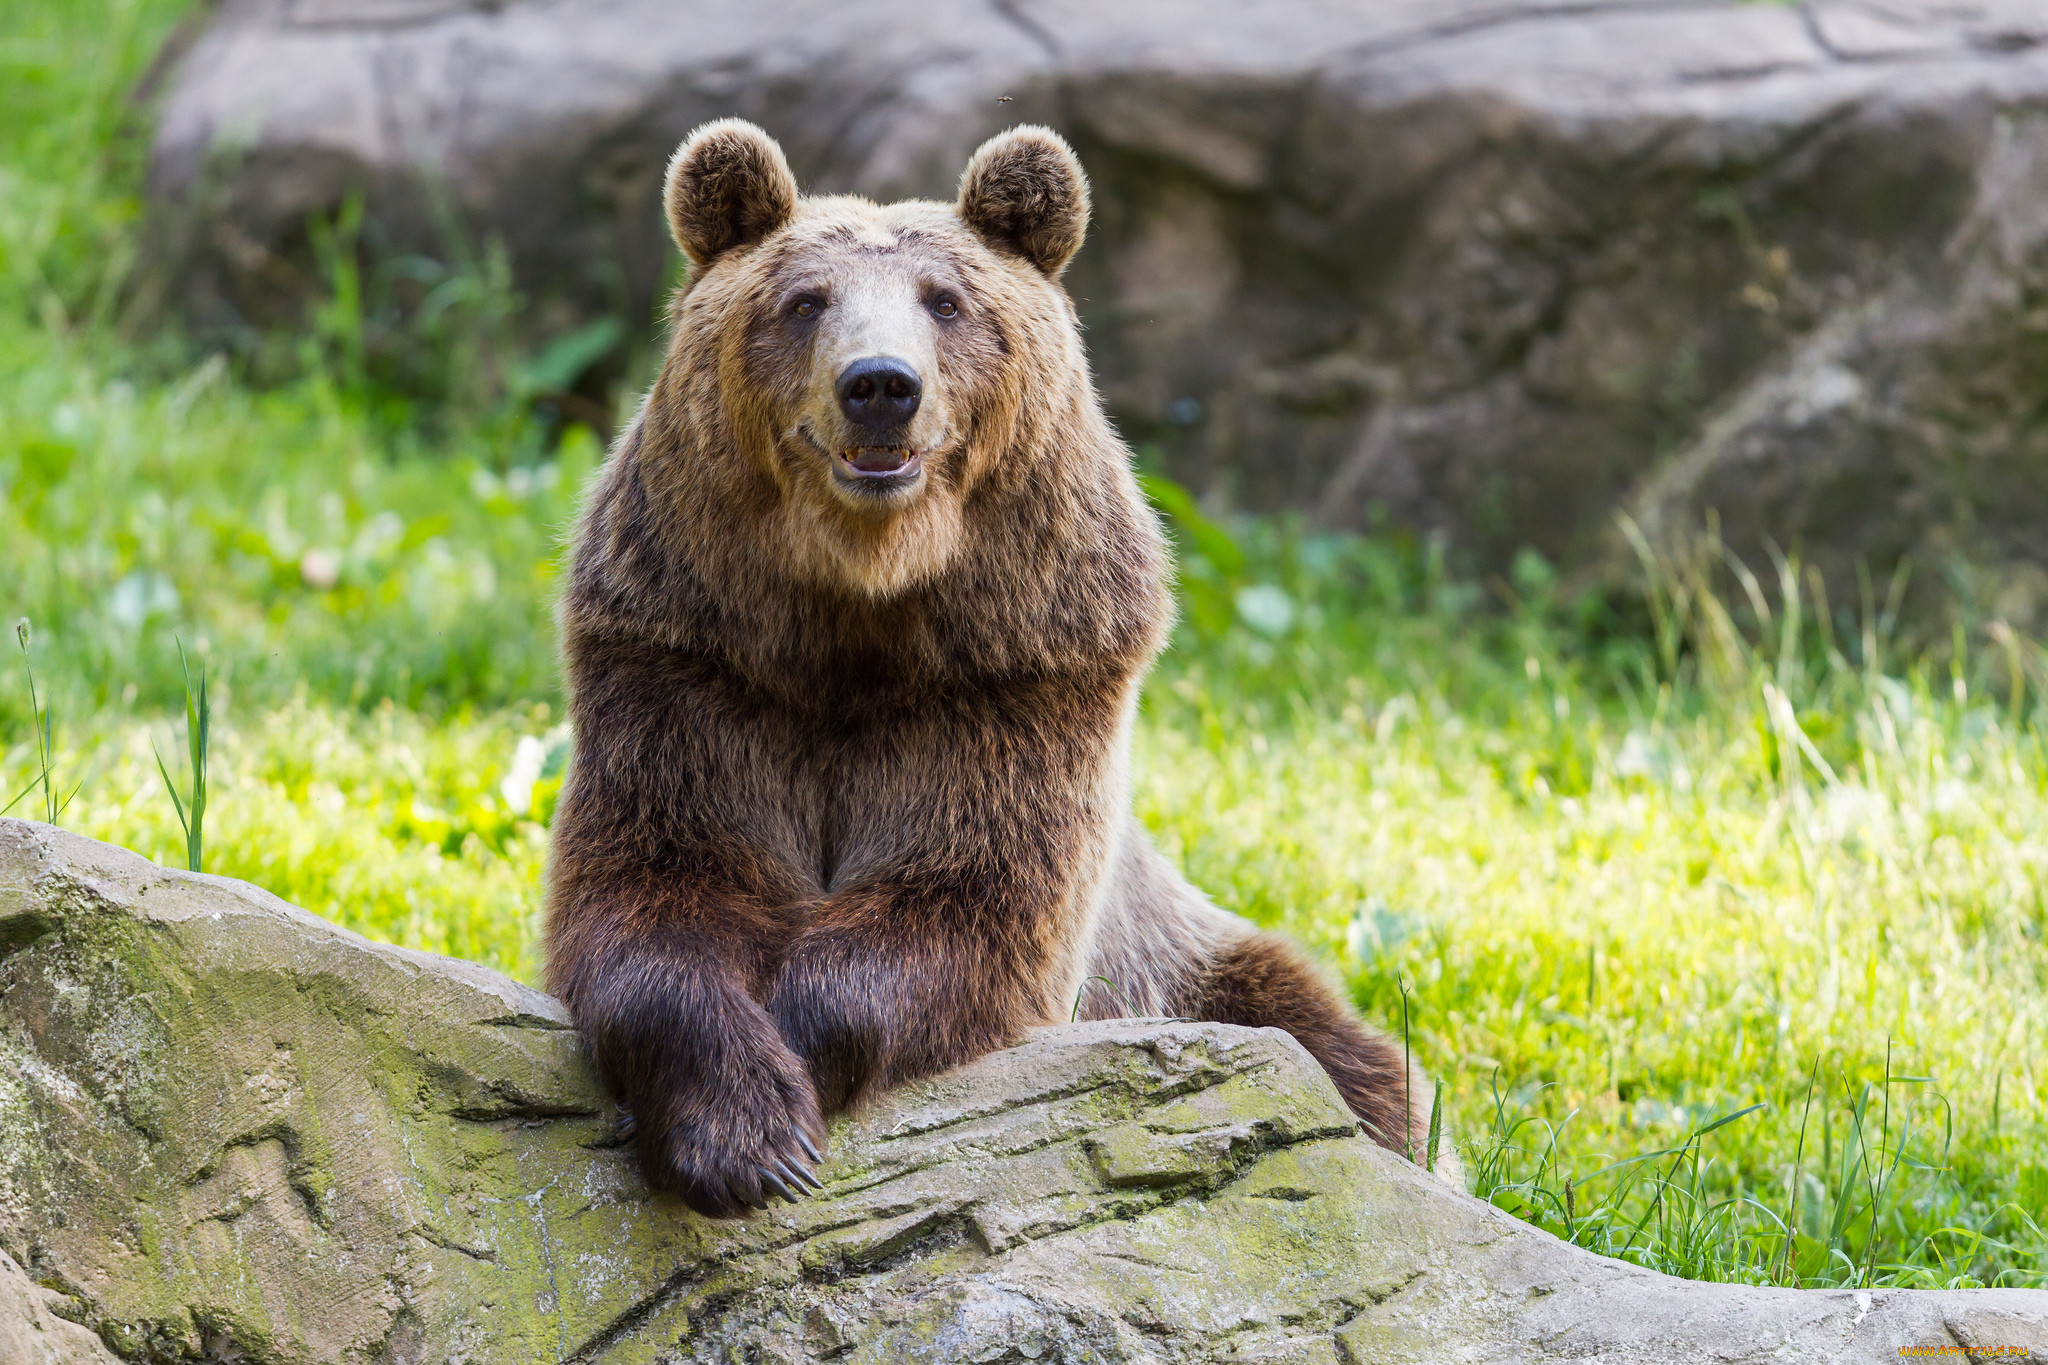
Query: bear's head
x,y
848,377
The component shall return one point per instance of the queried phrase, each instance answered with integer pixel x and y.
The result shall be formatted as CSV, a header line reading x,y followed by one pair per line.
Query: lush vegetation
x,y
1720,913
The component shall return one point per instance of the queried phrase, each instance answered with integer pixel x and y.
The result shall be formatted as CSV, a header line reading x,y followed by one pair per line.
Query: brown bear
x,y
859,611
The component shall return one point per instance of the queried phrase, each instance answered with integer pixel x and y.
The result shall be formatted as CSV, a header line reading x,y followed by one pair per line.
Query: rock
x,y
31,1330
1493,267
236,1132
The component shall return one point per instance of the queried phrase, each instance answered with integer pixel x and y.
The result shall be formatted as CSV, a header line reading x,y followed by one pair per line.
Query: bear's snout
x,y
879,393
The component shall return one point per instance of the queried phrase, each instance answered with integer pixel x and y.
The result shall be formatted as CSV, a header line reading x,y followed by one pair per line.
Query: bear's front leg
x,y
961,908
901,979
669,910
722,1109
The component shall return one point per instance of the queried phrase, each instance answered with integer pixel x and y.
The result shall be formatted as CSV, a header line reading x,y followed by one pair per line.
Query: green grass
x,y
1627,906
1639,867
318,531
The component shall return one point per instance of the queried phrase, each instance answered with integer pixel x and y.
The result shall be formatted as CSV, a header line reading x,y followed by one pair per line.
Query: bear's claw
x,y
775,1185
721,1181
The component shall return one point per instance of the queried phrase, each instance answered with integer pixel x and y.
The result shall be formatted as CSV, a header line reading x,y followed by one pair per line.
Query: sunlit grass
x,y
383,822
278,530
1631,892
1684,937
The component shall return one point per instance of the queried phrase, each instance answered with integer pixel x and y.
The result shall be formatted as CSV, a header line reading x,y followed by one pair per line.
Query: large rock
x,y
1497,267
235,1132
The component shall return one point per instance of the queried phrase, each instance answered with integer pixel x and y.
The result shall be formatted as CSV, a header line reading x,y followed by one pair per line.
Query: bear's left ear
x,y
728,186
1024,192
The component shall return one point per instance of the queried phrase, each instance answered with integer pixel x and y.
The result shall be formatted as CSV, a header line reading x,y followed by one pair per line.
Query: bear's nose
x,y
879,392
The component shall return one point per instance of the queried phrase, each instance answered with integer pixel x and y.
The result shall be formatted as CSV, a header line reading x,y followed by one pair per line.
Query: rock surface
x,y
236,1132
1496,267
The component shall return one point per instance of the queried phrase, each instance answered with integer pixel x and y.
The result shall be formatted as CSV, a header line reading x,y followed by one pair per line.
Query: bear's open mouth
x,y
879,462
869,471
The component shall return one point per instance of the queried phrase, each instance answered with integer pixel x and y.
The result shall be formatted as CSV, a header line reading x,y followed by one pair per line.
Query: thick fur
x,y
728,186
1024,192
849,802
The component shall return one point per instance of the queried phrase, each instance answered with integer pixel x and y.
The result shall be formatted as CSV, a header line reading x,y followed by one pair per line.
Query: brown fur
x,y
849,801
1024,192
726,188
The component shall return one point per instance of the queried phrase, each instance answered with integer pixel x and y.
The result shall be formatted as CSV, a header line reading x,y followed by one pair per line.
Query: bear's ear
x,y
728,186
1024,192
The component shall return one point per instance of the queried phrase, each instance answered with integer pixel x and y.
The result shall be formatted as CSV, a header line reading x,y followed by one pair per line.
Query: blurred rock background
x,y
1487,270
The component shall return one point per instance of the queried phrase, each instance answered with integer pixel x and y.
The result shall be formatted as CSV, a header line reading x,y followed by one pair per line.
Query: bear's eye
x,y
945,307
807,306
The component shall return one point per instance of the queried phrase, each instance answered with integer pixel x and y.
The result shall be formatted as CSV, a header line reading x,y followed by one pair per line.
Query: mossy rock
x,y
232,1131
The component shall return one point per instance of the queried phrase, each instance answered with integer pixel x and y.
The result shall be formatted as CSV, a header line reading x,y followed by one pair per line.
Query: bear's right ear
x,y
1024,192
728,186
